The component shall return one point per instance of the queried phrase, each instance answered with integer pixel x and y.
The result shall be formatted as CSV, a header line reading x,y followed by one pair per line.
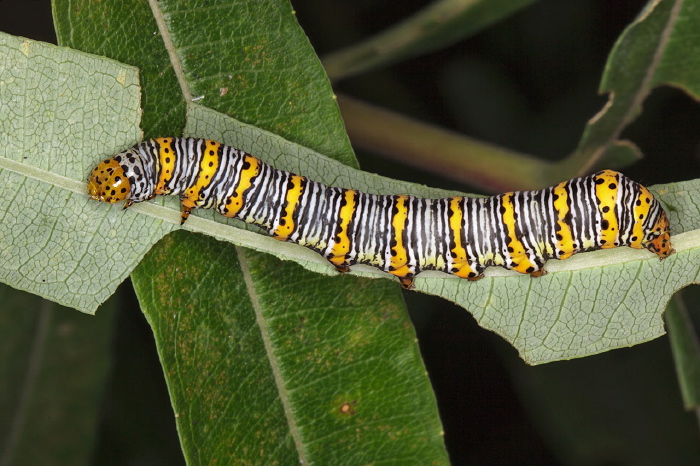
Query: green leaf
x,y
54,366
652,51
686,349
60,108
438,25
286,377
229,56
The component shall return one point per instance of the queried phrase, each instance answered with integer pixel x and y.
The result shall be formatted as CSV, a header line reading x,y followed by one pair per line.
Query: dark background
x,y
528,83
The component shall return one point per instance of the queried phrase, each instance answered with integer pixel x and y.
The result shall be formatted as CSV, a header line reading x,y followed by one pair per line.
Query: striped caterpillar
x,y
399,234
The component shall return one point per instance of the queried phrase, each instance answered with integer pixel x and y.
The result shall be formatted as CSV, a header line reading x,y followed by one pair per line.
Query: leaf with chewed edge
x,y
60,108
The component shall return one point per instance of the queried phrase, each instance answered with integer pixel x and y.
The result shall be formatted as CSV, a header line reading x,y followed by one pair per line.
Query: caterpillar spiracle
x,y
399,234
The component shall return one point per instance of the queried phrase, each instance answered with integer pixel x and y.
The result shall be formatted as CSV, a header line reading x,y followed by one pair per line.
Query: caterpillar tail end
x,y
660,243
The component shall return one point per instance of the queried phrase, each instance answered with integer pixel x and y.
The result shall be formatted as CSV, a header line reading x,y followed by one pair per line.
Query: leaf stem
x,y
438,25
446,153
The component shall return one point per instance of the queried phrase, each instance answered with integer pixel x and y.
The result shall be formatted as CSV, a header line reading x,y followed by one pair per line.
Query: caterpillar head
x,y
108,183
660,238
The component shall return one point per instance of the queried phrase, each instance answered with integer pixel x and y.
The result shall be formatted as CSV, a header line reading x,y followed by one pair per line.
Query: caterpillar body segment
x,y
399,234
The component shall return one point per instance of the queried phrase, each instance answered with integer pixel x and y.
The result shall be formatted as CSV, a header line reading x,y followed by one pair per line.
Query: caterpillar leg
x,y
187,207
340,264
405,274
472,272
407,281
186,211
538,273
129,202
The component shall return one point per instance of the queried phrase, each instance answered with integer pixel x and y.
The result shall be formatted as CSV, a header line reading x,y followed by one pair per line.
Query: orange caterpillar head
x,y
659,241
108,183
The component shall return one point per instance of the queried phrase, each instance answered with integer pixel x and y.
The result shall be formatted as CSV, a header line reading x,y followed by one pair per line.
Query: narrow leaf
x,y
686,350
301,379
438,25
653,51
55,364
228,55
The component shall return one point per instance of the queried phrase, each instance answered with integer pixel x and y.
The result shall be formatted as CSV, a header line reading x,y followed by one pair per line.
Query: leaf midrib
x,y
244,265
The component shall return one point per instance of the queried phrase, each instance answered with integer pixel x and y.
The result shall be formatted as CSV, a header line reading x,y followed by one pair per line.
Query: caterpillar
x,y
399,234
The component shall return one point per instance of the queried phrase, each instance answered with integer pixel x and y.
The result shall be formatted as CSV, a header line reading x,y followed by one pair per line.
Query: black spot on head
x,y
166,150
211,152
502,210
393,253
641,216
453,254
604,225
612,186
638,203
530,269
599,181
606,209
559,237
393,243
555,197
283,222
510,249
634,238
246,165
211,164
